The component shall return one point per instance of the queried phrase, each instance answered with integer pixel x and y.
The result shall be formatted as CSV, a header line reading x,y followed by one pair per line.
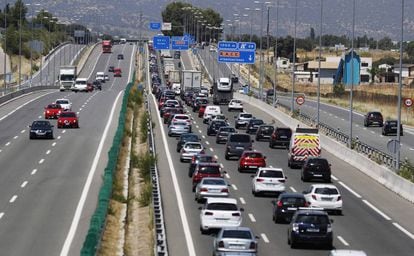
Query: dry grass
x,y
111,236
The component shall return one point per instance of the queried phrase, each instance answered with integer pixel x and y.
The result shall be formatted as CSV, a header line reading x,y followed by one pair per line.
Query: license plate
x,y
313,230
236,246
326,199
318,175
239,147
214,190
292,208
221,219
270,184
283,137
252,167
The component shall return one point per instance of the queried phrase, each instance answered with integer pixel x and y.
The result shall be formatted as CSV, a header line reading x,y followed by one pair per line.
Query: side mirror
x,y
257,237
225,172
177,138
29,126
286,177
265,157
252,140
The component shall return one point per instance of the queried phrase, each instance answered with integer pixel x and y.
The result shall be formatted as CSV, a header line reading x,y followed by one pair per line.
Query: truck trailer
x,y
106,46
67,77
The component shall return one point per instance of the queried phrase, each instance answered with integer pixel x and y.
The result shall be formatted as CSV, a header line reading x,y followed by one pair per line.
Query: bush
x,y
338,90
407,170
144,127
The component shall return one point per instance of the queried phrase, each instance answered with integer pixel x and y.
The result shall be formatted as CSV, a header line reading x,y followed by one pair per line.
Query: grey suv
x,y
236,144
242,120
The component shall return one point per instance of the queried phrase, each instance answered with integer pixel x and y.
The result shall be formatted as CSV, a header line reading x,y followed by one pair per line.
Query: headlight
x,y
329,228
295,227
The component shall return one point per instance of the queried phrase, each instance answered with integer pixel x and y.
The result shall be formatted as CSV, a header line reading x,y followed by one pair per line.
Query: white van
x,y
211,111
81,84
224,84
100,76
176,87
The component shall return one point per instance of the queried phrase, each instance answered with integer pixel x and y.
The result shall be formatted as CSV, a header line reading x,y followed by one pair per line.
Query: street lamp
x,y
319,66
352,77
5,47
292,106
275,55
397,156
32,38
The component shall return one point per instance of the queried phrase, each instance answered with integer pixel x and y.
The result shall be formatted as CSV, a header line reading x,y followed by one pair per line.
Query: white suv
x,y
235,105
81,84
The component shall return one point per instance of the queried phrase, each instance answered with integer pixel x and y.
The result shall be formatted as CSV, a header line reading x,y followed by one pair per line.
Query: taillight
x,y
252,245
192,159
314,197
279,203
339,198
47,111
225,190
236,214
208,213
203,190
306,204
259,180
221,244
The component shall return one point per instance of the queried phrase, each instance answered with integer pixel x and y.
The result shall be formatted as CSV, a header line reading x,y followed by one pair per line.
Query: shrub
x,y
407,170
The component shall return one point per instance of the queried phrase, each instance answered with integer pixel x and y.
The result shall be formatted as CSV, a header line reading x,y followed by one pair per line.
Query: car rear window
x,y
193,145
253,155
40,124
189,137
67,114
180,123
256,121
246,115
284,132
214,182
228,129
241,234
209,170
244,138
327,191
54,106
318,164
296,201
314,219
271,174
206,159
222,207
182,117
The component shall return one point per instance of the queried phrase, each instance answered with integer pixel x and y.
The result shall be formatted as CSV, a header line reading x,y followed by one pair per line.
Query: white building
x,y
282,63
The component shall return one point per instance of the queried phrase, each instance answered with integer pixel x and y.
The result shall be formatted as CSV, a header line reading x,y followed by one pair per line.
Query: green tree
x,y
410,50
385,43
312,34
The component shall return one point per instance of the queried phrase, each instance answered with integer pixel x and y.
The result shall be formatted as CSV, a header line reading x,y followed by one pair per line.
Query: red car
x,y
89,87
201,110
68,119
53,111
203,170
117,72
251,160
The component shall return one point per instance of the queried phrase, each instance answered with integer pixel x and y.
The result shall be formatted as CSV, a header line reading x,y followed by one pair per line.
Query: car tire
x,y
194,187
236,126
255,194
181,160
203,231
229,109
226,156
338,212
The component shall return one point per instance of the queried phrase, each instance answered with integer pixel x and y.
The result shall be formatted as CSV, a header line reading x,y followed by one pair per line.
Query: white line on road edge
x,y
227,175
334,178
293,189
33,172
1,214
13,199
376,209
242,200
340,238
234,186
216,156
349,189
252,217
264,237
24,184
181,209
403,230
82,200
41,161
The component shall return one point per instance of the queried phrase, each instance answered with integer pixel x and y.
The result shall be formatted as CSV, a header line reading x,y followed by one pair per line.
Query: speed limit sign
x,y
408,102
300,100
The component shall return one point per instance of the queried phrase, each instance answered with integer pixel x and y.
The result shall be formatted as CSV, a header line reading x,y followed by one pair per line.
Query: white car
x,y
183,118
100,76
65,104
217,117
213,49
210,111
204,90
191,149
219,213
267,179
211,187
235,105
175,102
325,196
81,84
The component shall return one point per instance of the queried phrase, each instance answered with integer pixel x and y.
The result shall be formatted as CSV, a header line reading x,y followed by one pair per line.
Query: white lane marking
x,y
234,186
211,149
13,199
412,149
30,101
293,189
357,125
208,143
336,117
59,137
195,123
242,200
24,184
40,117
22,131
382,136
334,178
53,144
1,214
200,131
15,137
270,166
1,150
41,161
372,132
410,235
340,238
77,113
227,176
85,190
330,114
343,119
80,109
365,128
48,152
215,156
197,126
221,165
63,131
33,172
264,237
252,217
350,190
8,143
203,136
376,209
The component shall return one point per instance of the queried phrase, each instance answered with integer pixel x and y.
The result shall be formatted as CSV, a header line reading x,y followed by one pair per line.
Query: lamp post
x,y
292,106
275,55
352,77
20,45
32,38
5,46
319,66
397,156
251,35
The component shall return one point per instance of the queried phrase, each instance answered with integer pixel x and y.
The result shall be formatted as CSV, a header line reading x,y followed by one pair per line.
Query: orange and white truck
x,y
304,143
106,46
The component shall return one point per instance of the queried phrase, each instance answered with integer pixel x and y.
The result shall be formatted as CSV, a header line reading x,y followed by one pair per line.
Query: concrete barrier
x,y
19,93
379,173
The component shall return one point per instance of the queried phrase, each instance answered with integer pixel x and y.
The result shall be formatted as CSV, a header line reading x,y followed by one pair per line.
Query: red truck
x,y
106,46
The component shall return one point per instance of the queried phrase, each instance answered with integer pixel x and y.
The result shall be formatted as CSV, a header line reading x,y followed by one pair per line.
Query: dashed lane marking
x,y
8,143
264,237
15,137
22,131
350,190
59,137
48,152
340,238
208,143
33,172
1,214
200,131
211,149
293,189
242,200
227,175
216,156
63,131
41,161
234,186
376,210
334,178
252,217
203,136
53,144
13,199
410,235
24,184
40,117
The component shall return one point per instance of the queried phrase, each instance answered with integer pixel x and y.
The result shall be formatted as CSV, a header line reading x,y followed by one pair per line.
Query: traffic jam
x,y
307,214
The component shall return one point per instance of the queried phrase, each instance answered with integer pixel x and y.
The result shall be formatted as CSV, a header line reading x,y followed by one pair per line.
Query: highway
x,y
336,117
42,181
374,219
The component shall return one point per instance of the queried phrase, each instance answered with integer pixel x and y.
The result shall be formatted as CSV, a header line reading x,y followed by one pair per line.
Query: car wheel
x,y
181,160
203,231
365,124
338,212
236,126
229,109
289,163
255,194
292,245
194,187
226,156
384,133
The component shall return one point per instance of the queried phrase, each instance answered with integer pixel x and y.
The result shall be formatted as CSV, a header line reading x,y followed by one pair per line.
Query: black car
x,y
264,132
223,134
200,158
97,85
120,56
198,102
234,79
187,137
316,168
286,205
373,118
390,127
280,137
215,125
41,129
310,227
111,69
253,125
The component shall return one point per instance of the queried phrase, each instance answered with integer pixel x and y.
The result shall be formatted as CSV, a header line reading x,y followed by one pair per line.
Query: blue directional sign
x,y
179,44
155,25
161,42
236,52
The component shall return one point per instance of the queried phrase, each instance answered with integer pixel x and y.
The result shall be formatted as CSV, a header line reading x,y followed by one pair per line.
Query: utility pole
x,y
5,46
275,55
397,156
20,44
352,77
292,106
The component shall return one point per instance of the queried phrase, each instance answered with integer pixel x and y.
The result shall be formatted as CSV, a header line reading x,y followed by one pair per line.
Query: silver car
x,y
211,187
190,149
178,127
235,240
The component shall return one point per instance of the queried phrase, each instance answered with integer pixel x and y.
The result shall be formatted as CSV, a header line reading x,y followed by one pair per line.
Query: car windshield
x,y
68,114
62,102
240,234
246,115
297,201
66,77
243,138
214,182
193,146
284,132
271,174
222,207
392,123
312,219
326,191
40,124
253,155
209,169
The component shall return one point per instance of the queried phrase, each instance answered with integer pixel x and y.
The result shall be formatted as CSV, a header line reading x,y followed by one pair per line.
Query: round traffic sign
x,y
408,102
300,100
